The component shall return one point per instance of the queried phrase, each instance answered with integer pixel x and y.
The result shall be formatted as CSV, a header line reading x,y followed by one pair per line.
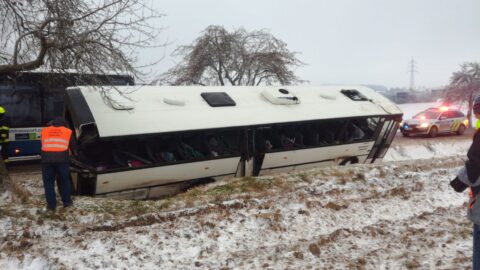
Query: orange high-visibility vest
x,y
55,139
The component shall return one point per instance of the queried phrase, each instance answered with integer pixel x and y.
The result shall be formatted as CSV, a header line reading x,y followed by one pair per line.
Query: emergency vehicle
x,y
434,121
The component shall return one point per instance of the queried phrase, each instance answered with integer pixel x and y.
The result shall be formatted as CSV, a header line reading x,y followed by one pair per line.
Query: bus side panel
x,y
132,179
296,167
312,155
24,143
24,148
306,166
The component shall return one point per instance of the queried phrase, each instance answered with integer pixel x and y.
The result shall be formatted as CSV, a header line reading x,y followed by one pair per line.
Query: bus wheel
x,y
433,132
461,130
349,161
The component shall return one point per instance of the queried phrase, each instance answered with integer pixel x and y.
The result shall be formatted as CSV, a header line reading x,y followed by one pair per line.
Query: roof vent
x,y
174,101
328,97
218,99
280,96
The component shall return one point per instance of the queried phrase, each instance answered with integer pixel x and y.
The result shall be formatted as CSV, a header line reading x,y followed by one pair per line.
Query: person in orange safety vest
x,y
56,141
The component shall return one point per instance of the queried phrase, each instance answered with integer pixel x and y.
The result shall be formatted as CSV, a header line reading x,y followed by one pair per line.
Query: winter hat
x,y
57,121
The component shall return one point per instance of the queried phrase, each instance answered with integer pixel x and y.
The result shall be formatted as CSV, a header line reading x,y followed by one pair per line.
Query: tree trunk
x,y
4,178
6,184
469,112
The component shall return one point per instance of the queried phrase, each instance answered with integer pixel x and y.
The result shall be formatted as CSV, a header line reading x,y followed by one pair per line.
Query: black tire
x,y
461,130
406,135
433,132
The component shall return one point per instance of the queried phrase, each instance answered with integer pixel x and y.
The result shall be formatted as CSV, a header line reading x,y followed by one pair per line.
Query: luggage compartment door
x,y
161,175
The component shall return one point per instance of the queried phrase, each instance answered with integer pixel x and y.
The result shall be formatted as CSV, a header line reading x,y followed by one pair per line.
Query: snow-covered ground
x,y
398,214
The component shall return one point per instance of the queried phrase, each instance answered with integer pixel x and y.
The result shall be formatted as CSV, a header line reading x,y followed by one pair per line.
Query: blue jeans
x,y
49,173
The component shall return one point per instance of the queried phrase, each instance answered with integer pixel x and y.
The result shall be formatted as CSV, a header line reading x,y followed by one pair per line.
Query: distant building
x,y
407,97
438,93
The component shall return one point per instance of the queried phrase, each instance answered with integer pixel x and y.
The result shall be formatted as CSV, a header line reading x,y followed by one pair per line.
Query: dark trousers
x,y
49,171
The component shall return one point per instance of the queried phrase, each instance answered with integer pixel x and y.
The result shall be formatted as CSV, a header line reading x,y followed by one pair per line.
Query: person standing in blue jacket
x,y
469,177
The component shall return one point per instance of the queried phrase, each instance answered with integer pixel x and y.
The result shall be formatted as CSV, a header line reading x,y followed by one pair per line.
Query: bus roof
x,y
161,109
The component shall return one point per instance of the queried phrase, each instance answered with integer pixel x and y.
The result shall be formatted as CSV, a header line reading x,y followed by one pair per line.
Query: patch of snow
x,y
28,263
427,150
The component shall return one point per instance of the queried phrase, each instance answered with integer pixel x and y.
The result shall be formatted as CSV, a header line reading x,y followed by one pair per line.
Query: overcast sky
x,y
344,41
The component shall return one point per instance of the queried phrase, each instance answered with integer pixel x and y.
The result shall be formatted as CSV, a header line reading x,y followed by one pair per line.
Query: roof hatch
x,y
354,95
218,99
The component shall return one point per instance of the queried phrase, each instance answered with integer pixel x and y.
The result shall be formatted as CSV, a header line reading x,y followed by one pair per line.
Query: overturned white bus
x,y
140,143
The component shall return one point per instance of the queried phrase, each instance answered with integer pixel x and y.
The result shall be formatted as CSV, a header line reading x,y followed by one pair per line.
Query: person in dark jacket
x,y
56,142
468,177
4,131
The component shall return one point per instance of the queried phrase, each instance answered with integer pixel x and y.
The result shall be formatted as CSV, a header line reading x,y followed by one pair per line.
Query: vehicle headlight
x,y
424,125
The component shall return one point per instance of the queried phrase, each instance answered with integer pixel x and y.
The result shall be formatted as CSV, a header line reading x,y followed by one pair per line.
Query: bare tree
x,y
87,35
91,36
219,57
464,86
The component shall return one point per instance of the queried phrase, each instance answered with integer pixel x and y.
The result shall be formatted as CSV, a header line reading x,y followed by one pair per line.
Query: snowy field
x,y
398,214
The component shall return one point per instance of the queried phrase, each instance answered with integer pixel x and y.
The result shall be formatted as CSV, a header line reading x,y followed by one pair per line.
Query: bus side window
x,y
310,135
287,139
188,151
368,126
53,104
216,146
341,131
232,143
261,143
221,144
195,145
354,133
291,138
22,104
274,138
326,132
161,149
299,138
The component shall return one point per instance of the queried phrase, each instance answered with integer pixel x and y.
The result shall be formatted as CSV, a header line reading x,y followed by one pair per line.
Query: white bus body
x,y
136,141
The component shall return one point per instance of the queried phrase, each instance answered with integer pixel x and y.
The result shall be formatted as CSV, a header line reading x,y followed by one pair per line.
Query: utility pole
x,y
412,69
